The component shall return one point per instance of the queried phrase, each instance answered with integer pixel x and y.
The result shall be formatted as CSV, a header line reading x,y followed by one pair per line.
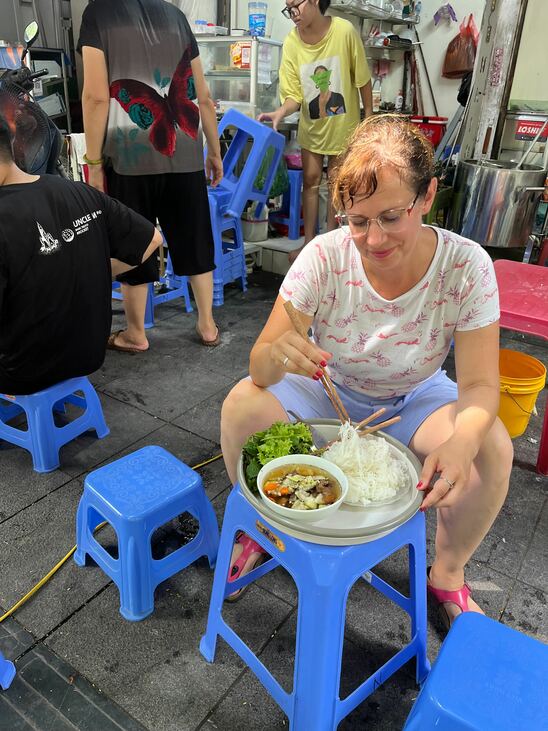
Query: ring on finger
x,y
451,484
285,360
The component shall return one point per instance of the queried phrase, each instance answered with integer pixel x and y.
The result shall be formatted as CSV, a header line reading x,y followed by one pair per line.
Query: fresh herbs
x,y
277,441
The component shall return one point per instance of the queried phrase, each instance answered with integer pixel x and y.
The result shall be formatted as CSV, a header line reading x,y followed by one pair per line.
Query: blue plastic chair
x,y
174,286
324,576
251,144
136,495
486,677
43,438
7,672
290,213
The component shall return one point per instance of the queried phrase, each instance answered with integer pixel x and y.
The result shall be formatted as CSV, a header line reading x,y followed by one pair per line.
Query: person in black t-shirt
x,y
60,244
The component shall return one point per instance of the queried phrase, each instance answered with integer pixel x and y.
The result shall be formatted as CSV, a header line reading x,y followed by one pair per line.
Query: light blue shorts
x,y
308,399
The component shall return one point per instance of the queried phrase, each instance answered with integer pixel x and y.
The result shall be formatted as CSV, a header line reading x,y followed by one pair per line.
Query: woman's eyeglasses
x,y
292,11
392,221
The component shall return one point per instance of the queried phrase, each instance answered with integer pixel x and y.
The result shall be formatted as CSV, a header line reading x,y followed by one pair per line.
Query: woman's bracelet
x,y
92,162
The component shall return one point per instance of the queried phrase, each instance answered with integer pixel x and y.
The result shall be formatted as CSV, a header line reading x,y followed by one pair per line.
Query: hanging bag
x,y
461,52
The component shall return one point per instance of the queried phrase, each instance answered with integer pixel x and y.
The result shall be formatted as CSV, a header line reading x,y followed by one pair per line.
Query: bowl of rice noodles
x,y
377,471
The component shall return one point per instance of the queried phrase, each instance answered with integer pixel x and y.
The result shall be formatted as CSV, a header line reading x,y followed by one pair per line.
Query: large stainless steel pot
x,y
494,204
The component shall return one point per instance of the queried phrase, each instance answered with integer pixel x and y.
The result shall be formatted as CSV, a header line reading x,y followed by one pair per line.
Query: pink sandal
x,y
251,556
459,598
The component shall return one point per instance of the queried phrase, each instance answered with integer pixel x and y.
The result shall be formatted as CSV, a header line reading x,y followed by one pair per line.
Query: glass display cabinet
x,y
242,72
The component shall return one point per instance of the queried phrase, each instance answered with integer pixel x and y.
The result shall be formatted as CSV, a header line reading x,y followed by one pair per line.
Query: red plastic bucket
x,y
433,127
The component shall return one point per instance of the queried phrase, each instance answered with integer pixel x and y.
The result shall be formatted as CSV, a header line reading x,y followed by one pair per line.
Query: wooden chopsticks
x,y
326,381
376,427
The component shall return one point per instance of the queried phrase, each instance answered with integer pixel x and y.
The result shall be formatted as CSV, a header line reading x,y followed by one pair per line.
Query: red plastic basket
x,y
433,127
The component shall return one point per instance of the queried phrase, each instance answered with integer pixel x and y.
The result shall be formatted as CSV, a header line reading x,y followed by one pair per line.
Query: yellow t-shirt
x,y
324,79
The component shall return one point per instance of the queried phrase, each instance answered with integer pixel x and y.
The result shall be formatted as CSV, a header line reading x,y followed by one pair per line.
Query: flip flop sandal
x,y
459,598
209,343
111,345
251,556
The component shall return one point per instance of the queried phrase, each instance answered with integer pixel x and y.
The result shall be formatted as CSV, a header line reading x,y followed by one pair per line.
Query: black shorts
x,y
180,204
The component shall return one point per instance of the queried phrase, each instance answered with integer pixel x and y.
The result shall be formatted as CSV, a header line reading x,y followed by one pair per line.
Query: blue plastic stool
x,y
486,677
136,495
324,576
7,672
290,214
242,161
174,286
229,255
43,438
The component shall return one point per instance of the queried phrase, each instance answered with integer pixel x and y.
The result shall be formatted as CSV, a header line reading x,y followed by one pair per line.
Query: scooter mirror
x,y
31,33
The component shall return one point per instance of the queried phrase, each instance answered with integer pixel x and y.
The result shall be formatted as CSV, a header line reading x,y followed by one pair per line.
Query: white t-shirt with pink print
x,y
386,348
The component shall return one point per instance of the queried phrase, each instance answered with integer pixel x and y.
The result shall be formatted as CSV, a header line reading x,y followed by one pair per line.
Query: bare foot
x,y
294,254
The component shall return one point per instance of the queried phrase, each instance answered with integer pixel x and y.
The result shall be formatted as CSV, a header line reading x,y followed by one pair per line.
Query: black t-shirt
x,y
56,241
153,122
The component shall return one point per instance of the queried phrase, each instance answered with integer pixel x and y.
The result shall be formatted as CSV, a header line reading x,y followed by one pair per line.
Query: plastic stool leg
x,y
136,590
93,403
295,206
320,634
210,529
149,309
45,452
417,586
209,639
7,672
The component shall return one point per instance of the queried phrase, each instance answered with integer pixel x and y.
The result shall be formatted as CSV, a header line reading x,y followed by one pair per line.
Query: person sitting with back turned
x,y
385,297
60,244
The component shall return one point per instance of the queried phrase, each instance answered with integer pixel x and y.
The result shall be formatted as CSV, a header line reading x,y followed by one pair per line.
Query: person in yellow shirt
x,y
323,73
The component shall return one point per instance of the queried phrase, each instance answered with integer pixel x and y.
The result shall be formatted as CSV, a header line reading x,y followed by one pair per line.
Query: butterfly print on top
x,y
161,114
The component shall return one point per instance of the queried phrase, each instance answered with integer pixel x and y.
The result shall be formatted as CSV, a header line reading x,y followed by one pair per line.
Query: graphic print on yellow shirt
x,y
324,98
324,78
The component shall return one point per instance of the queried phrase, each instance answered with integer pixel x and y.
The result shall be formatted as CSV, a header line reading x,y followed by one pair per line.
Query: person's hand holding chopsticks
x,y
298,355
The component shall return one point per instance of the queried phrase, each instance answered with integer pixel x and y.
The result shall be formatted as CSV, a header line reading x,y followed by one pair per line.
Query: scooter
x,y
37,143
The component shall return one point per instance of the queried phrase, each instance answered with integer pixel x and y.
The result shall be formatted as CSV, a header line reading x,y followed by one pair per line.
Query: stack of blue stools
x,y
487,677
323,575
7,672
136,495
43,438
251,145
290,213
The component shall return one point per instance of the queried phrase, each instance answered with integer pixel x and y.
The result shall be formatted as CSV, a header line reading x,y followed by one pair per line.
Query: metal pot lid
x,y
350,524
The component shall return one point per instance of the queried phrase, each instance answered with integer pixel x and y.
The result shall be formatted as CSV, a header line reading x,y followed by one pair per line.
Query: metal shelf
x,y
354,7
236,74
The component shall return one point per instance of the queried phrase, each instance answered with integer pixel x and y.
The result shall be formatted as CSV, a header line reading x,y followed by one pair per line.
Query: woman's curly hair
x,y
385,140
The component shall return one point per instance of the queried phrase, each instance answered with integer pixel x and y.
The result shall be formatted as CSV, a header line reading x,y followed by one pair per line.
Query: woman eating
x,y
385,296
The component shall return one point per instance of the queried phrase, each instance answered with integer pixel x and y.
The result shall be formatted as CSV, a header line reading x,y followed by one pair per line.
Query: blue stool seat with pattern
x,y
43,438
290,213
136,495
7,672
486,677
324,576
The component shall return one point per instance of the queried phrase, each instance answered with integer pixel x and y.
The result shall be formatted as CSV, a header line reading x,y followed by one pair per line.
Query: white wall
x,y
530,81
435,41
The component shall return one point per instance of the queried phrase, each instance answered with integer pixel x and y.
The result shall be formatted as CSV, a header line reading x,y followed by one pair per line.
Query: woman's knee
x,y
312,179
497,453
238,405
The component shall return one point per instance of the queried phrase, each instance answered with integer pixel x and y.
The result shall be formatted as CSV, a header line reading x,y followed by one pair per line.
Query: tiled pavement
x,y
81,666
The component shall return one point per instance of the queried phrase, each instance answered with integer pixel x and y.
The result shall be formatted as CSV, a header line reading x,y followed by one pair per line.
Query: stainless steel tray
x,y
350,524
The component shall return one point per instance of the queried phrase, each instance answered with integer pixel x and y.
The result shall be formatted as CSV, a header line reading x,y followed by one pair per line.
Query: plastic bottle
x,y
376,94
398,104
257,18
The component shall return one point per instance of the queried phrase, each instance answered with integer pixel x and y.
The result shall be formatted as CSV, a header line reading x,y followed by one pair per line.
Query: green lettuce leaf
x,y
277,441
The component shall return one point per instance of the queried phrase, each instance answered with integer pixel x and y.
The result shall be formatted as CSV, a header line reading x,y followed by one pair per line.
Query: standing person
x,y
323,68
142,73
385,296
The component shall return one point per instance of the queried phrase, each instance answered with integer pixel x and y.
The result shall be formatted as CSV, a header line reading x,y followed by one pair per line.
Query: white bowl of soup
x,y
302,487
